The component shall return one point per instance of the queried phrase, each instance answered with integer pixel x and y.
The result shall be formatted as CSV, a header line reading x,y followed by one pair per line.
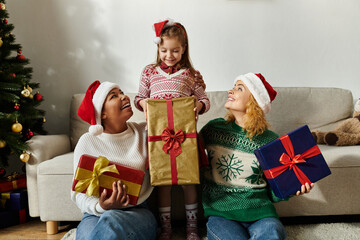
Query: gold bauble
x,y
24,157
16,127
2,6
44,120
25,93
29,88
2,143
1,42
31,96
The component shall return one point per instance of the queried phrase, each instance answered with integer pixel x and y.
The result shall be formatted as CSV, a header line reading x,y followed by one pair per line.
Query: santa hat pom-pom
x,y
170,22
157,40
96,130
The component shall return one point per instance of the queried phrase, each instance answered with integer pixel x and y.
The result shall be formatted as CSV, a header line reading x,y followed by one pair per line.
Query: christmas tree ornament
x,y
12,74
20,56
16,127
2,172
31,96
2,143
29,134
2,6
1,42
25,93
24,157
38,97
29,88
17,106
44,120
5,21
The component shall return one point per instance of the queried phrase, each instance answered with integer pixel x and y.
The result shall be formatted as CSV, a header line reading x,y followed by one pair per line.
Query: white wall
x,y
292,42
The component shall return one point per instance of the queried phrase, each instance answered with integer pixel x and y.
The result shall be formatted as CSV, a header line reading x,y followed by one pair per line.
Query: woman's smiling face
x,y
238,97
116,108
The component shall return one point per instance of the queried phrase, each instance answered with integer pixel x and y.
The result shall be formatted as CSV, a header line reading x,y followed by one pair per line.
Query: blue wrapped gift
x,y
292,160
14,200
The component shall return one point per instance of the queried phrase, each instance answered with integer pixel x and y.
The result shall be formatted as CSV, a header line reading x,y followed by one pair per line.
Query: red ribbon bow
x,y
289,161
172,141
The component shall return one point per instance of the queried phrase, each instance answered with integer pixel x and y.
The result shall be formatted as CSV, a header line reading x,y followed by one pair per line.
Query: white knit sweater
x,y
127,148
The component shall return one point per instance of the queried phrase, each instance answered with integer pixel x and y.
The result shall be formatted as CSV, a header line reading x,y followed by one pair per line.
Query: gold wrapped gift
x,y
172,142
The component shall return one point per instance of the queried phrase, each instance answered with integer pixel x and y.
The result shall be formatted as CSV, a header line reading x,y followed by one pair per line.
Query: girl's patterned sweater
x,y
157,84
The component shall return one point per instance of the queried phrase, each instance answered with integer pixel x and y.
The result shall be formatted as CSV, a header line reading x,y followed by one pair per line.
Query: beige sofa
x,y
49,170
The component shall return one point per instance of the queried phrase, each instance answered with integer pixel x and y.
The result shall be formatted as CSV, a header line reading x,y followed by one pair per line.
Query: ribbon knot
x,y
172,140
90,182
289,161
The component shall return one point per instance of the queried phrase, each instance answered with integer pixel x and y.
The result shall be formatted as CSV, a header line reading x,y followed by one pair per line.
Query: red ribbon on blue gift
x,y
172,140
289,161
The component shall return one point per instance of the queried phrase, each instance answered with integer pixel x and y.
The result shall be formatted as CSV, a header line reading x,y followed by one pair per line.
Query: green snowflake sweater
x,y
234,186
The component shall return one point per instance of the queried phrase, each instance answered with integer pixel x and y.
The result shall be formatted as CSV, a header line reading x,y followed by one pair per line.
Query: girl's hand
x,y
199,79
143,104
198,107
305,189
118,198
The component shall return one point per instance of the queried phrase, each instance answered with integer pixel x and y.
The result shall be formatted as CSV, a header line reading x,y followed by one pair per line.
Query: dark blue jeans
x,y
264,229
128,223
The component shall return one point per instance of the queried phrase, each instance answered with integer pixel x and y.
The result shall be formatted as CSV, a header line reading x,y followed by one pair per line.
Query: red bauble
x,y
12,74
38,97
19,56
17,106
5,21
29,134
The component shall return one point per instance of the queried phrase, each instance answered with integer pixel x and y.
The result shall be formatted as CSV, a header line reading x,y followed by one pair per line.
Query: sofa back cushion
x,y
292,108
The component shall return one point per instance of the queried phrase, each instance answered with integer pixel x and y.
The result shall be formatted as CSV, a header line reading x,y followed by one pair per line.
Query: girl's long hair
x,y
255,121
177,31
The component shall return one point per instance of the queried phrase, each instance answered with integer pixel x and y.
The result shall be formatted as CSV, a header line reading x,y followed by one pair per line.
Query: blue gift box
x,y
14,200
286,171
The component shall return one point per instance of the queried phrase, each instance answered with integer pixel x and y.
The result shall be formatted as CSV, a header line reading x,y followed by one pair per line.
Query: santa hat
x,y
262,91
159,26
92,104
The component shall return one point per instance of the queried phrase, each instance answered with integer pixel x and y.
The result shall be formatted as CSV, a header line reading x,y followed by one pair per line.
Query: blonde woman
x,y
236,197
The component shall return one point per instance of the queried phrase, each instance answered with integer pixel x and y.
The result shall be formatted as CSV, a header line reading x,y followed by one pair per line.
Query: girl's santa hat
x,y
92,104
159,26
262,91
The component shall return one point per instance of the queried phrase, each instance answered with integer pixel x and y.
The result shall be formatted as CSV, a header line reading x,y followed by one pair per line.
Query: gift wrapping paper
x,y
172,142
93,174
292,160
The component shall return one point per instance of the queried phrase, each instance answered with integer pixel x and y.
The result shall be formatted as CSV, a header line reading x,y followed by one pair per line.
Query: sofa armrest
x,y
42,148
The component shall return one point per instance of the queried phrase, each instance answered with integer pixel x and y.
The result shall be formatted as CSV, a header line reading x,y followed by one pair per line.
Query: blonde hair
x,y
177,31
255,121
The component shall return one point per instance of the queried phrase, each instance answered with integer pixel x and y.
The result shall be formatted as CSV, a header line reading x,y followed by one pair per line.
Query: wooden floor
x,y
34,229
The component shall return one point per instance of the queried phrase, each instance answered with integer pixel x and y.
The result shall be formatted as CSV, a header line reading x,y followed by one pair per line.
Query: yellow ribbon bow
x,y
90,179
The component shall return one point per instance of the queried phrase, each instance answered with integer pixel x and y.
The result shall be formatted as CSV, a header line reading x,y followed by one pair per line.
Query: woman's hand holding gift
x,y
118,198
305,189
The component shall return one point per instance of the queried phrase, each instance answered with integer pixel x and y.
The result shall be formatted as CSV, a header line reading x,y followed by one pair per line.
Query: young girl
x,y
173,76
240,205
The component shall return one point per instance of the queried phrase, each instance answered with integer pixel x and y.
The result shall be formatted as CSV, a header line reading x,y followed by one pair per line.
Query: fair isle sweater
x,y
234,186
157,84
127,148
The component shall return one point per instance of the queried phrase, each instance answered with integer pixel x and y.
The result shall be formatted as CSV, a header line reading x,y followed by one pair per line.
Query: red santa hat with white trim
x,y
262,91
159,26
92,104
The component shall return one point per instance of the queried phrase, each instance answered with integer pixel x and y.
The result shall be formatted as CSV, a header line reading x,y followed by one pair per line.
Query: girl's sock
x,y
191,218
165,220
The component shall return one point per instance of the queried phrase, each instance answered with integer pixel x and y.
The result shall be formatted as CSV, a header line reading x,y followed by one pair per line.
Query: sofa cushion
x,y
60,165
316,107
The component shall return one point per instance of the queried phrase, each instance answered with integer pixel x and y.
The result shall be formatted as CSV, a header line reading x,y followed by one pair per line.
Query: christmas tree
x,y
19,117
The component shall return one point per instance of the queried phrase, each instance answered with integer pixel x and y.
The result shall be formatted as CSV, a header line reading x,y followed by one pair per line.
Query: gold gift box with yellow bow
x,y
93,174
172,142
